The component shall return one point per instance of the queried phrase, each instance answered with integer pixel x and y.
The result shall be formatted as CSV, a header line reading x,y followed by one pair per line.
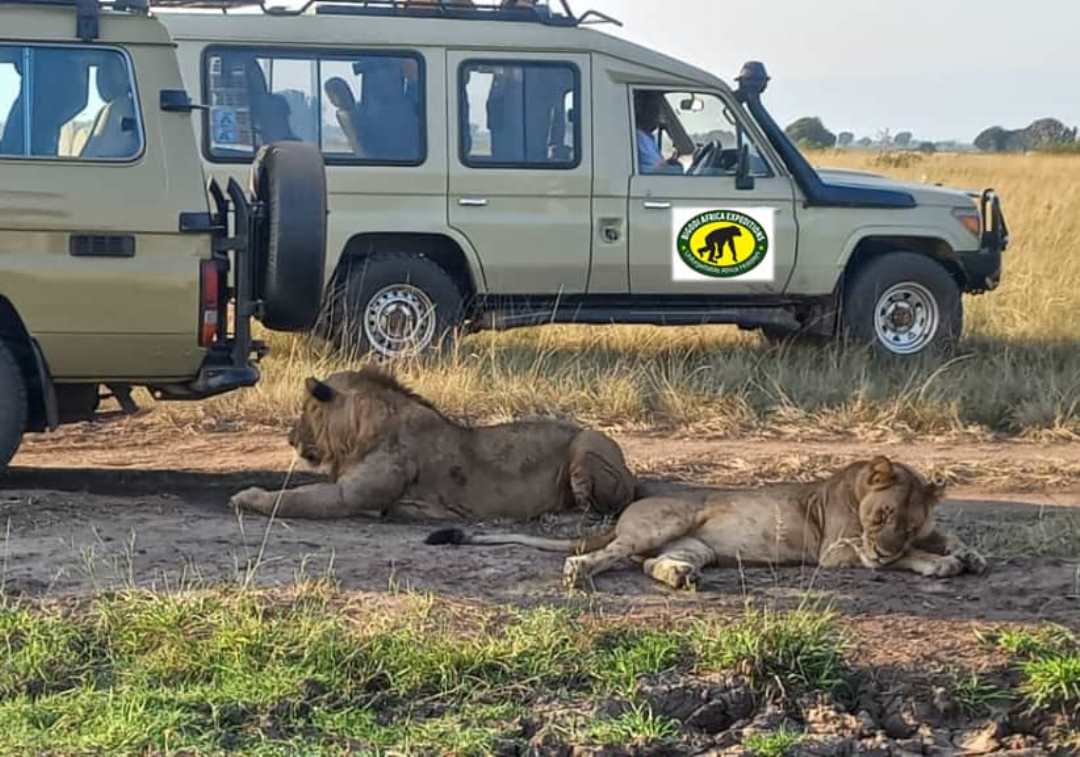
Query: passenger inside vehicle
x,y
269,112
341,96
388,114
647,109
114,133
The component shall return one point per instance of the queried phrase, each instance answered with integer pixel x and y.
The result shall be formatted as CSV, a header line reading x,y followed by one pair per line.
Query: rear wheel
x,y
396,305
13,405
904,304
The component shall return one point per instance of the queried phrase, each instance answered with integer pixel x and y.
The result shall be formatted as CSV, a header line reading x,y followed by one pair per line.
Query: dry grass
x,y
1018,373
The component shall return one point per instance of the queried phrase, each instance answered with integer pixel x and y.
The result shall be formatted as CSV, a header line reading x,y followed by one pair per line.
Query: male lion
x,y
391,452
875,514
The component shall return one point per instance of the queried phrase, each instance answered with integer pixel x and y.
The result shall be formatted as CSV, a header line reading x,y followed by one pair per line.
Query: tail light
x,y
211,300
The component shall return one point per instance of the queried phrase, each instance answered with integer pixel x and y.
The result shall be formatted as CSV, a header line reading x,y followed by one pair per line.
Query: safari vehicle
x,y
493,166
119,264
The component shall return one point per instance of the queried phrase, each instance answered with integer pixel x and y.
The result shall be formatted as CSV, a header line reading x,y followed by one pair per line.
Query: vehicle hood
x,y
924,194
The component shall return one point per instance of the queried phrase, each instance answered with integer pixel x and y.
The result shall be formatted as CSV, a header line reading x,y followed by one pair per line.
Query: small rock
x,y
980,741
827,746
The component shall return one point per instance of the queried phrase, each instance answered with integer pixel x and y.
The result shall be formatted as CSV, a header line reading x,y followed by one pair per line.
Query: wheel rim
x,y
906,318
399,321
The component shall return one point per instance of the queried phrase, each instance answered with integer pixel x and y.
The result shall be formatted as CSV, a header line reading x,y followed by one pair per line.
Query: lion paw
x,y
942,567
973,562
574,573
253,499
677,575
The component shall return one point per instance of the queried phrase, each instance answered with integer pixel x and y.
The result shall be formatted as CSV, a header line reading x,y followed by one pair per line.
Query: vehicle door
x,y
521,167
89,218
696,225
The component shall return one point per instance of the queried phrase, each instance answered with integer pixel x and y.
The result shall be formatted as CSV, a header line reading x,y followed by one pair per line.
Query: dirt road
x,y
137,505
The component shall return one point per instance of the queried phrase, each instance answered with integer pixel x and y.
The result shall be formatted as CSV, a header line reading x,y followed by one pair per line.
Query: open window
x,y
68,103
692,134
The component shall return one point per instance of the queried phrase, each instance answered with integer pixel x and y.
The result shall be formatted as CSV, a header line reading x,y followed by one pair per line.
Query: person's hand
x,y
674,159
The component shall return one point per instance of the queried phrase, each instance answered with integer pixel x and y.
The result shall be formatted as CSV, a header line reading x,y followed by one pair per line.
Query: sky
x,y
942,69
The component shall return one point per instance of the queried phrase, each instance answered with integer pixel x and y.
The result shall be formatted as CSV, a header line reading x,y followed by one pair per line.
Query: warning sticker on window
x,y
723,243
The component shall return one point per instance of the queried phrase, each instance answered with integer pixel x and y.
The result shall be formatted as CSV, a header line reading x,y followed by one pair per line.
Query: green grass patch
x,y
316,672
801,649
977,696
1048,659
776,744
638,725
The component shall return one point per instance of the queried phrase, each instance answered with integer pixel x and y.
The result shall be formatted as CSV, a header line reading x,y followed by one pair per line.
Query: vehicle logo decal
x,y
722,244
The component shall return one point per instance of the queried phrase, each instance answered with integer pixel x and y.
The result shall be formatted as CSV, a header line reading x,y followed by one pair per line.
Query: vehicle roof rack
x,y
87,27
471,10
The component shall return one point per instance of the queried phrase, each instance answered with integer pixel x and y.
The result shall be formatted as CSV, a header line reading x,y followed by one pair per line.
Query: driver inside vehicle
x,y
647,109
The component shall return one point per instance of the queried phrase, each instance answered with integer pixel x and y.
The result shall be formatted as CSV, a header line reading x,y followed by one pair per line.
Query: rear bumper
x,y
982,267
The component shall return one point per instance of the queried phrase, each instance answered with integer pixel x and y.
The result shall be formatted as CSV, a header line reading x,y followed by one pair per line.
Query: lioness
x,y
876,514
389,451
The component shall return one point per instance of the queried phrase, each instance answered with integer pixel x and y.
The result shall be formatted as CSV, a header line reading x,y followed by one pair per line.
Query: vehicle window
x,y
357,108
68,103
692,134
517,115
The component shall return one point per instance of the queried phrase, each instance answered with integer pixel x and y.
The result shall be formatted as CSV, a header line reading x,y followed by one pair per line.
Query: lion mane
x,y
385,448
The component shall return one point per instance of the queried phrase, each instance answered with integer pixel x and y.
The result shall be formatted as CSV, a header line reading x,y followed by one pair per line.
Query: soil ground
x,y
134,503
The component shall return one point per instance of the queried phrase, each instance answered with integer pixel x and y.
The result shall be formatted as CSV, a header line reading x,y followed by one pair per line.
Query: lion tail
x,y
458,537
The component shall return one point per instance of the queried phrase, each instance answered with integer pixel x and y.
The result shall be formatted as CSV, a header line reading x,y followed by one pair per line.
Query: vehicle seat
x,y
342,98
115,130
388,116
269,112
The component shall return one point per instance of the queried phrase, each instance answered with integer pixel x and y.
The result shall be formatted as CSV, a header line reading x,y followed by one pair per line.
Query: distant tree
x,y
927,147
811,132
845,139
993,139
865,142
1047,132
903,139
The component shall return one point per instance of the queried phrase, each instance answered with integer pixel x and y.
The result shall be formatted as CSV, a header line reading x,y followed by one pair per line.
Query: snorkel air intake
x,y
753,80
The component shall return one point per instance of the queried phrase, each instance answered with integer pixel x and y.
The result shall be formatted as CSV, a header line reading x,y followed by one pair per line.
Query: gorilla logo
x,y
718,240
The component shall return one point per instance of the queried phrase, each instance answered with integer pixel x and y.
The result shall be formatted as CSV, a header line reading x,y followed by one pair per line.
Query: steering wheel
x,y
703,155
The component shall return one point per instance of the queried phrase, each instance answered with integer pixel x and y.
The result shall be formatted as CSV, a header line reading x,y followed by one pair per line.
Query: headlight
x,y
970,219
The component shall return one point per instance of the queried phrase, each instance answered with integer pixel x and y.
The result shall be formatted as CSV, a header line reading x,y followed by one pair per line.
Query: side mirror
x,y
743,180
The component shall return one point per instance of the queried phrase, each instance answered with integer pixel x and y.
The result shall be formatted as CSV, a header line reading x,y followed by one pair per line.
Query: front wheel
x,y
903,304
13,405
396,305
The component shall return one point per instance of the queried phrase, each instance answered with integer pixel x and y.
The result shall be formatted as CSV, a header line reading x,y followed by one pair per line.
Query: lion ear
x,y
320,391
935,490
882,475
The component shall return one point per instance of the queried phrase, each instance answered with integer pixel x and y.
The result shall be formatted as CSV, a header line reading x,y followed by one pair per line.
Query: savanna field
x,y
1017,373
348,639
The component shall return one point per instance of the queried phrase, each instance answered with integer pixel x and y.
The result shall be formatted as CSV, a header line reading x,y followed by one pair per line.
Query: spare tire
x,y
289,179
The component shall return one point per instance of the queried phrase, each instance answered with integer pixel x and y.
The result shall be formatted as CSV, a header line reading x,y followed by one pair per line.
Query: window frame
x,y
140,121
729,103
315,55
463,126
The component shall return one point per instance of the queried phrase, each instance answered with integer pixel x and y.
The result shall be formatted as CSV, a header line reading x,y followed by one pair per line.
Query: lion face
x,y
303,436
896,509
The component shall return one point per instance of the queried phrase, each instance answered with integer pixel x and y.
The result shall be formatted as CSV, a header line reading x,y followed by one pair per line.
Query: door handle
x,y
655,205
473,202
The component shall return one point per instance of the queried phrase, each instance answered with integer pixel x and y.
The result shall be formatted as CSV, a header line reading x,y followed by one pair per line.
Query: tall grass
x,y
1018,371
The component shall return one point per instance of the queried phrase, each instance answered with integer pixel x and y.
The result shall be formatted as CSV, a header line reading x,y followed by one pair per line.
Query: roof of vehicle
x,y
62,21
332,30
